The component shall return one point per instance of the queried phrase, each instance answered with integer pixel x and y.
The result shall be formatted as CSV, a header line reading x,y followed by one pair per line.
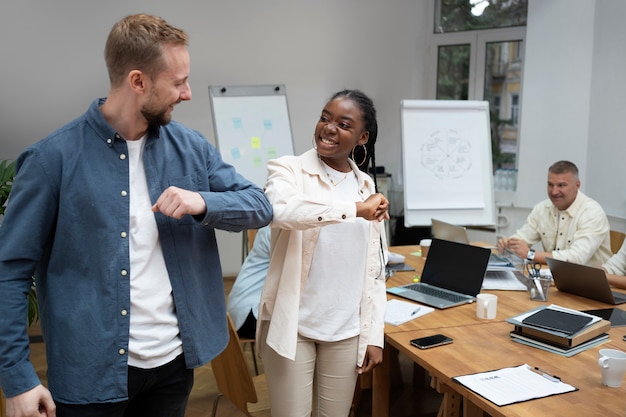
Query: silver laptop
x,y
454,233
453,275
583,280
449,231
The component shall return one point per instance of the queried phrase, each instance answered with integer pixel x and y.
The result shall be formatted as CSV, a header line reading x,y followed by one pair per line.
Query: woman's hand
x,y
374,208
373,358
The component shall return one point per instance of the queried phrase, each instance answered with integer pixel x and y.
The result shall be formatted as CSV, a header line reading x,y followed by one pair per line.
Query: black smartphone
x,y
431,341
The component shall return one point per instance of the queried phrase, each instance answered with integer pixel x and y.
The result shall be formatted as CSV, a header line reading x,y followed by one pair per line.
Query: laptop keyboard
x,y
436,292
619,296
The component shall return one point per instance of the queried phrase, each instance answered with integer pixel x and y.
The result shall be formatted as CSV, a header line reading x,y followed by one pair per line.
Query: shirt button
x,y
123,234
124,312
121,351
124,272
124,193
122,156
343,216
319,219
109,140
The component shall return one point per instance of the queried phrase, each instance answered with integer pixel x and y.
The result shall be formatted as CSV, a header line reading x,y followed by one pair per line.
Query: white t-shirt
x,y
331,296
154,334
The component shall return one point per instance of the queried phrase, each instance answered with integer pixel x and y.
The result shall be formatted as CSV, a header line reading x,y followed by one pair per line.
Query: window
x,y
514,109
465,15
480,54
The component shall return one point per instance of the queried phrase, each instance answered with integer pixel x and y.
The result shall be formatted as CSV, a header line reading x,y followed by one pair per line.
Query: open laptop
x,y
453,275
448,231
583,280
454,233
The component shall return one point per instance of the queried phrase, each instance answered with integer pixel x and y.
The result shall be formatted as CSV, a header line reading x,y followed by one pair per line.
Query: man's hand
x,y
176,202
374,208
373,358
34,403
503,243
519,247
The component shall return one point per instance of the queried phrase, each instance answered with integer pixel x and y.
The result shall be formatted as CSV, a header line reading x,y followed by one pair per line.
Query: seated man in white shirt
x,y
244,297
570,226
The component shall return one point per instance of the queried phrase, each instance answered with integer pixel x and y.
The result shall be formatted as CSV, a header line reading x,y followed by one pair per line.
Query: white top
x,y
331,295
154,334
579,234
616,265
293,187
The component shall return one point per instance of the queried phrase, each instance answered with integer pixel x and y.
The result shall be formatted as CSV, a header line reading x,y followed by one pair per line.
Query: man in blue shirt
x,y
114,214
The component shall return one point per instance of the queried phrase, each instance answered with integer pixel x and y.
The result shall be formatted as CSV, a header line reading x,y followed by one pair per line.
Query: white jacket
x,y
292,187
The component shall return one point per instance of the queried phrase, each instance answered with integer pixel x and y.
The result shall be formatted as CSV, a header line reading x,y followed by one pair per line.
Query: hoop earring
x,y
364,156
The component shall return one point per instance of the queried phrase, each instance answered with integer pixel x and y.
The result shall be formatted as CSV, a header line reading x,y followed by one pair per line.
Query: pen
x,y
415,311
546,374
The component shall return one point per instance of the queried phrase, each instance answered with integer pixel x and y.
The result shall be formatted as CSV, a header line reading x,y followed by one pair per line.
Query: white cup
x,y
425,246
613,365
486,306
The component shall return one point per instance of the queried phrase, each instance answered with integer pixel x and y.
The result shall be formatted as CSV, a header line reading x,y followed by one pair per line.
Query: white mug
x,y
613,364
486,306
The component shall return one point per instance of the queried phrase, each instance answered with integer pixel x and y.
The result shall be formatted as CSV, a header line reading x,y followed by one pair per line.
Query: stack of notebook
x,y
559,330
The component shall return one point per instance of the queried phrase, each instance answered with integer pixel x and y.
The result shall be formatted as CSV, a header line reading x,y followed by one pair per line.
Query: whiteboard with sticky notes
x,y
252,126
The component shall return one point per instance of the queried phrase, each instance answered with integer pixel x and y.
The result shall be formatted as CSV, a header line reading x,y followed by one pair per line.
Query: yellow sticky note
x,y
255,142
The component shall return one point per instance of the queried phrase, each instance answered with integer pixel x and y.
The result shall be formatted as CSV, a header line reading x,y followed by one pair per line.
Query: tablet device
x,y
556,320
616,316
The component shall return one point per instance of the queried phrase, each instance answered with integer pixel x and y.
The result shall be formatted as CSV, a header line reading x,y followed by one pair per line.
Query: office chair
x,y
234,380
617,238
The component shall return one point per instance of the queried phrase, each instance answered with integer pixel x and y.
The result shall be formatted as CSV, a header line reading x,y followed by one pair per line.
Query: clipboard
x,y
514,385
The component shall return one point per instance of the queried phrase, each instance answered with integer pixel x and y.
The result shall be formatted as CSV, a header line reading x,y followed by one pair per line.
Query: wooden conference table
x,y
485,345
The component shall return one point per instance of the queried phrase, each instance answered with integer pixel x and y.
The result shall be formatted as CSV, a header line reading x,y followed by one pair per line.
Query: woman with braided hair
x,y
321,317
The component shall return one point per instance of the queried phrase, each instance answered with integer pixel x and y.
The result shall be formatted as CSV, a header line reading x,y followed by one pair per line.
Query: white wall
x,y
52,63
606,161
573,103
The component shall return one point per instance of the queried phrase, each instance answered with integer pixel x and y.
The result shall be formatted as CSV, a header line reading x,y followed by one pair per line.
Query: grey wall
x,y
51,67
52,62
573,103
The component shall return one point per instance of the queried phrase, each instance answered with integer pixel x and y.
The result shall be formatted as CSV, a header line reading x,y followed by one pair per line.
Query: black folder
x,y
556,320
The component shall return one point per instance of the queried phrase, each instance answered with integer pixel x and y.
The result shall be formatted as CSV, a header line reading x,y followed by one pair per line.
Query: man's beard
x,y
156,118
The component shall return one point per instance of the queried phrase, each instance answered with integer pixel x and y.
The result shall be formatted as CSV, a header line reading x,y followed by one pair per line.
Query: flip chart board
x,y
251,126
446,156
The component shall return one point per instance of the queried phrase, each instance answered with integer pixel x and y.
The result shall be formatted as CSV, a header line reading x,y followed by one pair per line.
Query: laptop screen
x,y
455,266
448,231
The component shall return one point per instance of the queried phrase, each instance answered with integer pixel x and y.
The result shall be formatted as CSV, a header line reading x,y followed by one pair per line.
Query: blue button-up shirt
x,y
67,222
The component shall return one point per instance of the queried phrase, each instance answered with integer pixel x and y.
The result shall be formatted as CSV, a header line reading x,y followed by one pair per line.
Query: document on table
x,y
399,312
503,280
512,385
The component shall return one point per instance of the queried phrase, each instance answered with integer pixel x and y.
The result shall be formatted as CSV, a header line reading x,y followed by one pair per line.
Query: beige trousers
x,y
319,383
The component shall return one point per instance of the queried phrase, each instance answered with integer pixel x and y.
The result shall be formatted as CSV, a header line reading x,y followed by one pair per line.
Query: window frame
x,y
477,40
